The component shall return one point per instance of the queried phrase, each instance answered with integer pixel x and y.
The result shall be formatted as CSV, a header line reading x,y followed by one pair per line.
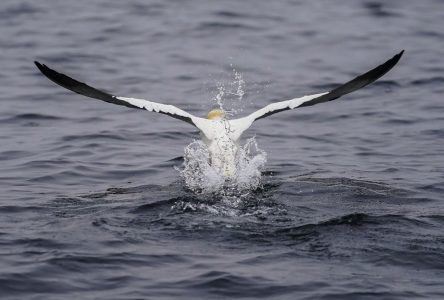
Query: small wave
x,y
19,209
230,14
14,284
386,83
226,14
398,121
231,285
22,9
30,119
306,232
158,204
94,136
378,9
219,26
13,154
39,243
437,80
144,9
36,117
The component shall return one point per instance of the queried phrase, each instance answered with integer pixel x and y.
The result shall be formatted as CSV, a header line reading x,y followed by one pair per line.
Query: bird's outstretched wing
x,y
88,91
240,125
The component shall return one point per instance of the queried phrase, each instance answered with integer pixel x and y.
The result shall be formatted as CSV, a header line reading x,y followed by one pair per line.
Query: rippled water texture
x,y
349,204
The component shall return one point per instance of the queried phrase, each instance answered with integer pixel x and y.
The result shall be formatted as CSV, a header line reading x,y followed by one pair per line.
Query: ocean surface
x,y
94,198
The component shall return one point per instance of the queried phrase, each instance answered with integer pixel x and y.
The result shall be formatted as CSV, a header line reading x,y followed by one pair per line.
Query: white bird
x,y
220,134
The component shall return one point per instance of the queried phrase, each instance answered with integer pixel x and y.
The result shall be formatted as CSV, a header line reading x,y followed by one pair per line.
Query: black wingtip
x,y
42,67
74,85
392,62
398,56
39,65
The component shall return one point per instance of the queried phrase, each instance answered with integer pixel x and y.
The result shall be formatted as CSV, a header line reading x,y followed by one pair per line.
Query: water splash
x,y
230,95
203,178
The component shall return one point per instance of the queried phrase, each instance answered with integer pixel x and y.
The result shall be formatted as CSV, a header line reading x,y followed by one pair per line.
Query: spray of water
x,y
230,95
203,178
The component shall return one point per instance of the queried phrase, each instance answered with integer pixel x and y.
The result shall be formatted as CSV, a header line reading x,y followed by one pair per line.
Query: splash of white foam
x,y
202,178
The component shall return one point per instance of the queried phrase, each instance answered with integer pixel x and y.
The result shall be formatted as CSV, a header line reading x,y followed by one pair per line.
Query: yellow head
x,y
216,114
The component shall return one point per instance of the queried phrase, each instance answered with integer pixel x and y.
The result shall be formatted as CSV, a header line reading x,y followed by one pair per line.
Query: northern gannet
x,y
220,134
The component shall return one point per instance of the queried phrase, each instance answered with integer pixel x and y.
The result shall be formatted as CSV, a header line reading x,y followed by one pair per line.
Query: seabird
x,y
220,134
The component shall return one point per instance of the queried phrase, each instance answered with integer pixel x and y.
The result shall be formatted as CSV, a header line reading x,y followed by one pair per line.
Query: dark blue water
x,y
351,204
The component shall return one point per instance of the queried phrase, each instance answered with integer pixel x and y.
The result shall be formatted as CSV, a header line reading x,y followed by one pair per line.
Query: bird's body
x,y
220,134
222,146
